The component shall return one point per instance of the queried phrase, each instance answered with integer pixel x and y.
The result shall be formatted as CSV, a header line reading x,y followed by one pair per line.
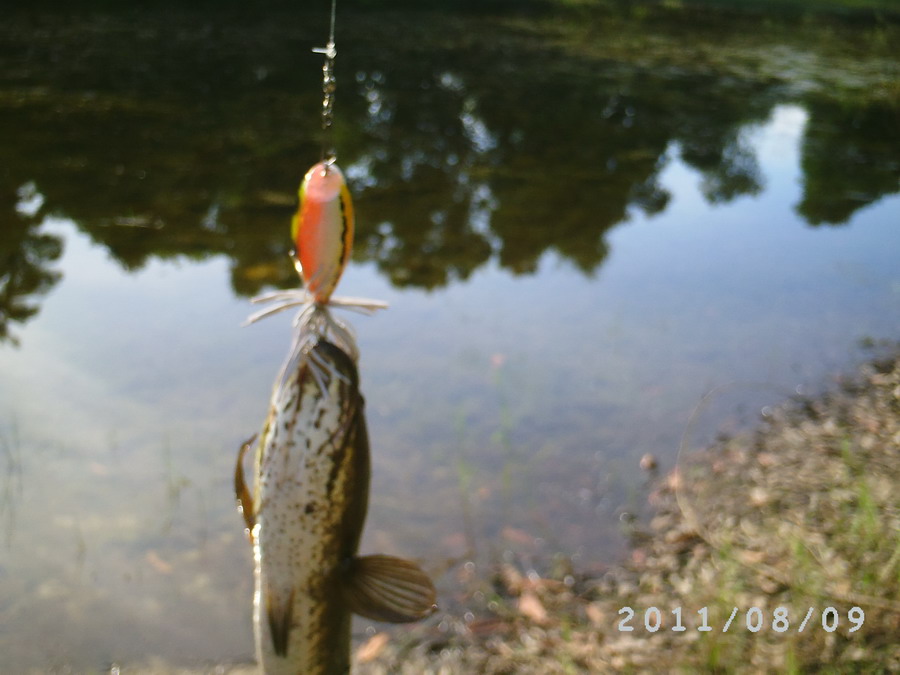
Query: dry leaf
x,y
595,614
372,648
99,469
488,626
766,459
752,557
158,563
517,536
532,608
512,579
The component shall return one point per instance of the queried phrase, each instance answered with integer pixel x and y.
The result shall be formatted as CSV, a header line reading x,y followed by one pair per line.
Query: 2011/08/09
x,y
754,619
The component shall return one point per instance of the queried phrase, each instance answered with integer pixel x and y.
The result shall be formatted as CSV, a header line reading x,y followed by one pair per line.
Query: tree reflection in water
x,y
26,256
184,139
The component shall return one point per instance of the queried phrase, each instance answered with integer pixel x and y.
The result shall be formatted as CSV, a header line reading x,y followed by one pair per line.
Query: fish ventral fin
x,y
387,588
280,615
244,500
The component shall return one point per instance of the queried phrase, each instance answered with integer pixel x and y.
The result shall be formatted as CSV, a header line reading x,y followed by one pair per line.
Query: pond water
x,y
581,227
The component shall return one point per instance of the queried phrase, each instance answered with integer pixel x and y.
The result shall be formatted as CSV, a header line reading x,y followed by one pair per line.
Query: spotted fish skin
x,y
312,490
322,230
307,514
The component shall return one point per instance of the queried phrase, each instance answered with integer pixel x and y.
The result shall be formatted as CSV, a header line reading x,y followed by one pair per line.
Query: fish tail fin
x,y
280,616
386,588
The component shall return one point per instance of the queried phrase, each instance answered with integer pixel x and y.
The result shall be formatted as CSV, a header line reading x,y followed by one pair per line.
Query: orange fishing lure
x,y
322,230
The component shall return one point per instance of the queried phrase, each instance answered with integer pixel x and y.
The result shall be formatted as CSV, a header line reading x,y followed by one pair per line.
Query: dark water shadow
x,y
183,134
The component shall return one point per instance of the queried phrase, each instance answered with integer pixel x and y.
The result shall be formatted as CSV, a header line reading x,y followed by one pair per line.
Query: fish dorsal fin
x,y
385,588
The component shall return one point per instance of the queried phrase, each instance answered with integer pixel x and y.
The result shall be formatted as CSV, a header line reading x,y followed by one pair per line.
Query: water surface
x,y
581,229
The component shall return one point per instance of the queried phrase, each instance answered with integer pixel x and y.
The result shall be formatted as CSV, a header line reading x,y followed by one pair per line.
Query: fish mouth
x,y
324,347
332,340
328,365
337,360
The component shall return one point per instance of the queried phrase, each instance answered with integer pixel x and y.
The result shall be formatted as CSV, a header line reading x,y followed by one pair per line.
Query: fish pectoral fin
x,y
385,588
244,500
280,615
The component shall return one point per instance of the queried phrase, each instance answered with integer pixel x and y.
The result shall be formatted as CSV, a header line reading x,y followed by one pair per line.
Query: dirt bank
x,y
799,516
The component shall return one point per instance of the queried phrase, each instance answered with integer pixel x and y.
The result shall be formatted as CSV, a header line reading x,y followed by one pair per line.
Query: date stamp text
x,y
754,619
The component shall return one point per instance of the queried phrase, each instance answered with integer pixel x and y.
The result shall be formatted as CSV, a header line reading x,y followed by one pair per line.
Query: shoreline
x,y
799,514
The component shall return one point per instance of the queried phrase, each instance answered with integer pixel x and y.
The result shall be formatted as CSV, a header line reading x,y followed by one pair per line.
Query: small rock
x,y
648,462
759,496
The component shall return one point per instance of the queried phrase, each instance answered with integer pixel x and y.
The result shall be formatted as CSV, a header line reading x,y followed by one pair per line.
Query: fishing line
x,y
329,86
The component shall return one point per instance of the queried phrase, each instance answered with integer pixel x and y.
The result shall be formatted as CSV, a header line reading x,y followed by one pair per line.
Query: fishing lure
x,y
322,230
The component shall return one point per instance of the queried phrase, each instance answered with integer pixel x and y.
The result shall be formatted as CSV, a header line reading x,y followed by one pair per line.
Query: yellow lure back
x,y
322,230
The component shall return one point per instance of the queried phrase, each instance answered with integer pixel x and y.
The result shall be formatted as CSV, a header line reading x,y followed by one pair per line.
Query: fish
x,y
307,511
322,230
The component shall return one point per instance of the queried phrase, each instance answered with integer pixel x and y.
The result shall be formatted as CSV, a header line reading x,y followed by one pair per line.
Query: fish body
x,y
322,229
306,517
